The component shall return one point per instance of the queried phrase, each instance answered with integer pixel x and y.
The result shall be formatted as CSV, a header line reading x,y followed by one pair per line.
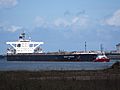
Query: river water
x,y
41,66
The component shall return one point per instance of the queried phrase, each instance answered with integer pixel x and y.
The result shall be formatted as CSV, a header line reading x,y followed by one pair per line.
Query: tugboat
x,y
102,58
27,50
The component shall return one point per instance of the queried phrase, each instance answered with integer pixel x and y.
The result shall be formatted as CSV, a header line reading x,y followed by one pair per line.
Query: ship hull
x,y
54,57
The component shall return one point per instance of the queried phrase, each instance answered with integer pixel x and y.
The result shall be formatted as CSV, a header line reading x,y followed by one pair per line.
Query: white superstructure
x,y
24,46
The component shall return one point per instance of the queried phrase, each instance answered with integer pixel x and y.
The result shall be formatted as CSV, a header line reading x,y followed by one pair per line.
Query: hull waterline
x,y
47,57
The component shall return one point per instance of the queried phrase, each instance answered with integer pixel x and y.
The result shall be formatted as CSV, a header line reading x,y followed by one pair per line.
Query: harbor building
x,y
118,47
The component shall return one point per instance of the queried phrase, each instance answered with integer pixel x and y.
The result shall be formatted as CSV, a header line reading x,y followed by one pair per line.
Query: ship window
x,y
14,45
18,45
35,45
30,45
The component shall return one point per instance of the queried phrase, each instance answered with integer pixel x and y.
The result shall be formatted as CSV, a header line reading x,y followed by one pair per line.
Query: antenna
x,y
101,48
85,47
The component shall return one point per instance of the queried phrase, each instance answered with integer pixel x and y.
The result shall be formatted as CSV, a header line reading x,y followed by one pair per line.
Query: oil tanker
x,y
27,50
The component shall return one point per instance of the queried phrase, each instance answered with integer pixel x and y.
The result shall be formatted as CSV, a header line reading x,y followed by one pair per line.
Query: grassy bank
x,y
108,79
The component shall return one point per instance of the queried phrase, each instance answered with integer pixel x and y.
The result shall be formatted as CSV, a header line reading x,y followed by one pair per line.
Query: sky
x,y
61,24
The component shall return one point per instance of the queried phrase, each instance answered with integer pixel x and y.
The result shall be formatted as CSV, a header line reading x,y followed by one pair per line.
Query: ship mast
x,y
101,48
85,47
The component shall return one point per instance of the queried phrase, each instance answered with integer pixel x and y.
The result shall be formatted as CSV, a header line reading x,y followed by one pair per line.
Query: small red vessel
x,y
102,58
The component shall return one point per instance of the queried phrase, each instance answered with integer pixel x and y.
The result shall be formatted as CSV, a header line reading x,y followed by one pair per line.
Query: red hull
x,y
102,60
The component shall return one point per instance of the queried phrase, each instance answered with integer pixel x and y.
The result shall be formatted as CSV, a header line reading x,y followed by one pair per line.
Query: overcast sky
x,y
62,24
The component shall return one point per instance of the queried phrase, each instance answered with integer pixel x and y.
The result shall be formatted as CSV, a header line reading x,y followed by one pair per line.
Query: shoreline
x,y
107,79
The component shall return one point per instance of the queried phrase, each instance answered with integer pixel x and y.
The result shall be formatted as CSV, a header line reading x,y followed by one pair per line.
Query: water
x,y
39,66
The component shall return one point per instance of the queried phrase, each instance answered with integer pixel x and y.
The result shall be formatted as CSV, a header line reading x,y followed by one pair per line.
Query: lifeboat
x,y
102,58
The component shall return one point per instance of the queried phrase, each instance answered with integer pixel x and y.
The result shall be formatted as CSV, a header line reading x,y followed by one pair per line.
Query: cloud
x,y
14,28
80,21
75,22
10,28
82,12
8,3
79,13
114,20
40,22
60,22
67,13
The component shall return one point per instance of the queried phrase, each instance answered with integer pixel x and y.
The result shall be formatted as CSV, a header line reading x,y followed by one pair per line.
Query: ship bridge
x,y
24,46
